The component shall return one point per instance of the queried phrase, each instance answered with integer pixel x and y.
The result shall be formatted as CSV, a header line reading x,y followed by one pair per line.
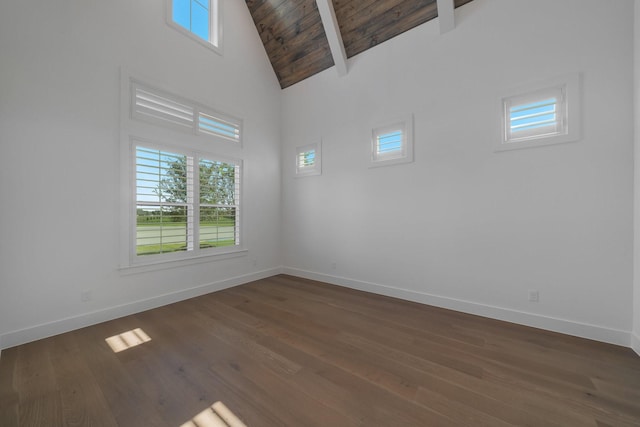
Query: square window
x,y
199,19
541,115
309,160
392,143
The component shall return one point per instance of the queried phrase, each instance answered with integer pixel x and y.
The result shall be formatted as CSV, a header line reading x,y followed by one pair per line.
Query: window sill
x,y
535,142
215,48
156,265
390,162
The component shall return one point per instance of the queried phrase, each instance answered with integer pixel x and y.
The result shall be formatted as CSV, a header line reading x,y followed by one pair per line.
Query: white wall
x,y
462,227
465,227
635,338
59,156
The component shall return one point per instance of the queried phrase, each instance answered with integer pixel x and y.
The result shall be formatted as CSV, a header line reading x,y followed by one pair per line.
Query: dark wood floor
x,y
293,352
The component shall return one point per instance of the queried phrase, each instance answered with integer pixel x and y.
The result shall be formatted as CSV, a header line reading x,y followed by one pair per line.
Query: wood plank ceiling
x,y
294,37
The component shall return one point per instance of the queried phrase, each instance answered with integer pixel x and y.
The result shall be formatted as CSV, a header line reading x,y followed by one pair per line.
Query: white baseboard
x,y
635,343
598,333
583,330
33,333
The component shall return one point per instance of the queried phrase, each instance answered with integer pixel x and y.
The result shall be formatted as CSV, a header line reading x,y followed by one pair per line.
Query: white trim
x,y
583,330
571,115
130,126
155,262
334,37
192,112
148,134
635,343
446,15
163,264
635,303
215,24
44,330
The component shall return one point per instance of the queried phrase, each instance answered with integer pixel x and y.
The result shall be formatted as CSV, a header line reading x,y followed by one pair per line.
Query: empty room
x,y
320,213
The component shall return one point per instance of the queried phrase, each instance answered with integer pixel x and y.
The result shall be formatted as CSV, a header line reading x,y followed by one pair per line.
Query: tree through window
x,y
175,212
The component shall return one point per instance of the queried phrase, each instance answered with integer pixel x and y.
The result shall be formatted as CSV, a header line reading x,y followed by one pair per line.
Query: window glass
x,y
168,198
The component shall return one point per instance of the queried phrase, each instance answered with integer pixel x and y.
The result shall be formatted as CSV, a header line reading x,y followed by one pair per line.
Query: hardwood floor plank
x,y
285,351
467,415
45,410
189,350
127,401
9,397
81,399
34,375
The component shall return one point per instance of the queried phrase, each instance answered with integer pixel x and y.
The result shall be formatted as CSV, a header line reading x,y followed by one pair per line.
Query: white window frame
x,y
215,25
193,117
193,203
404,154
150,134
566,89
309,170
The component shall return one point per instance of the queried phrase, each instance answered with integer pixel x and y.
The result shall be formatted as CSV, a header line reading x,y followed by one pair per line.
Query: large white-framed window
x,y
309,159
200,20
392,142
542,114
186,203
181,181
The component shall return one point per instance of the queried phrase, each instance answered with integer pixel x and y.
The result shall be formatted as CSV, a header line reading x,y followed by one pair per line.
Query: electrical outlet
x,y
254,262
333,265
85,296
534,295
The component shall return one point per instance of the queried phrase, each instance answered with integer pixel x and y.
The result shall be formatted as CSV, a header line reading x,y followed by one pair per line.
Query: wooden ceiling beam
x,y
446,15
332,31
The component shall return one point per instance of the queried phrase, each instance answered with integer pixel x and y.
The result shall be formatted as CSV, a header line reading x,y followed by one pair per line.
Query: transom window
x,y
197,18
185,202
166,109
536,116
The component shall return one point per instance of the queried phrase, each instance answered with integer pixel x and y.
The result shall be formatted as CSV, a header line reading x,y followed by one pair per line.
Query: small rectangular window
x,y
537,115
199,19
541,115
392,143
308,160
193,15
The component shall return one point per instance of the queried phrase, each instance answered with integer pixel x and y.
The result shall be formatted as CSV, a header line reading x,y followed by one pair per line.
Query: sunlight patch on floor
x,y
217,415
127,340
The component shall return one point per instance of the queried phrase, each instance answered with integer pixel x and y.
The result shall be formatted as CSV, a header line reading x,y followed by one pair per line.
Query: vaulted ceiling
x,y
303,37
